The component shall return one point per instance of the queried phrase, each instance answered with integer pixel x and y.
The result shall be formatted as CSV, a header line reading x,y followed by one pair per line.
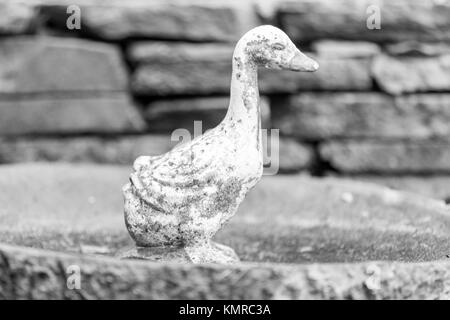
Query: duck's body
x,y
186,195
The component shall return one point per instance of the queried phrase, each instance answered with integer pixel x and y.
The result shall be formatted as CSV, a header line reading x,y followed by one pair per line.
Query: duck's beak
x,y
301,62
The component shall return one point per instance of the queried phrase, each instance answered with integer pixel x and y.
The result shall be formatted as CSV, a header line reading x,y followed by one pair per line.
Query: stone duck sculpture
x,y
176,202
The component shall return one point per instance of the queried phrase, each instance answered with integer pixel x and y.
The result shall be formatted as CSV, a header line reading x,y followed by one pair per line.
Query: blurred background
x,y
105,81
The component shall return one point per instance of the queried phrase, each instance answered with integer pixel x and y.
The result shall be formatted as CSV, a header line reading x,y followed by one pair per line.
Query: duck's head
x,y
270,47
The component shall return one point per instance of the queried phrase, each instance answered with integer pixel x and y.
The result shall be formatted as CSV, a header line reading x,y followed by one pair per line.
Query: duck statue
x,y
176,202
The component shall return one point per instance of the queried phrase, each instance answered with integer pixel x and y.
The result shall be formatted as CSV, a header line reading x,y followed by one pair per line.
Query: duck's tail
x,y
144,161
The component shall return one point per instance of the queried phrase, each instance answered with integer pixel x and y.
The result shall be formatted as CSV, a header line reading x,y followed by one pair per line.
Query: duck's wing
x,y
178,177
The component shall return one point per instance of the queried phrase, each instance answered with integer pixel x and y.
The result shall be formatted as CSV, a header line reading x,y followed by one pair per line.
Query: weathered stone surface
x,y
184,78
388,157
68,208
64,191
16,18
167,74
318,116
433,186
345,49
108,113
175,52
22,267
169,115
294,156
400,20
113,150
412,74
155,20
414,48
48,64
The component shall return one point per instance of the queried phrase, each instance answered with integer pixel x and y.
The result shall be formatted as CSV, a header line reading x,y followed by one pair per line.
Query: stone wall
x,y
378,109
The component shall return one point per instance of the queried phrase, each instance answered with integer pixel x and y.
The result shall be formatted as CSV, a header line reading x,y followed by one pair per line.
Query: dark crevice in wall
x,y
376,87
320,167
131,67
140,103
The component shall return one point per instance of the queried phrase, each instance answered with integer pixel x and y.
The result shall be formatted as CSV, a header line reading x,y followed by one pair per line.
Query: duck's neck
x,y
244,111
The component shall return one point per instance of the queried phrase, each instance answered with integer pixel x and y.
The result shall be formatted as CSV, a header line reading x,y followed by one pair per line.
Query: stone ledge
x,y
401,20
294,156
397,75
171,114
435,187
17,18
142,52
418,49
120,21
51,64
387,157
119,150
107,113
345,49
320,116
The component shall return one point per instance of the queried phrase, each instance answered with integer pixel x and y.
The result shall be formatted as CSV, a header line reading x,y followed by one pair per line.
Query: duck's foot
x,y
209,252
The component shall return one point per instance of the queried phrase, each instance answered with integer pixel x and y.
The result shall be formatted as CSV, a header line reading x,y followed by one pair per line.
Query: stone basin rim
x,y
48,207
45,253
32,271
39,274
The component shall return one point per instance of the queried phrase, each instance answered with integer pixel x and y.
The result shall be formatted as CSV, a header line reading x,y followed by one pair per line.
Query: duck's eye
x,y
278,46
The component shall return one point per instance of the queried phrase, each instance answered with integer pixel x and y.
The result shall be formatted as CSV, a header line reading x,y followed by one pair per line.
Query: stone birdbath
x,y
297,237
62,232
